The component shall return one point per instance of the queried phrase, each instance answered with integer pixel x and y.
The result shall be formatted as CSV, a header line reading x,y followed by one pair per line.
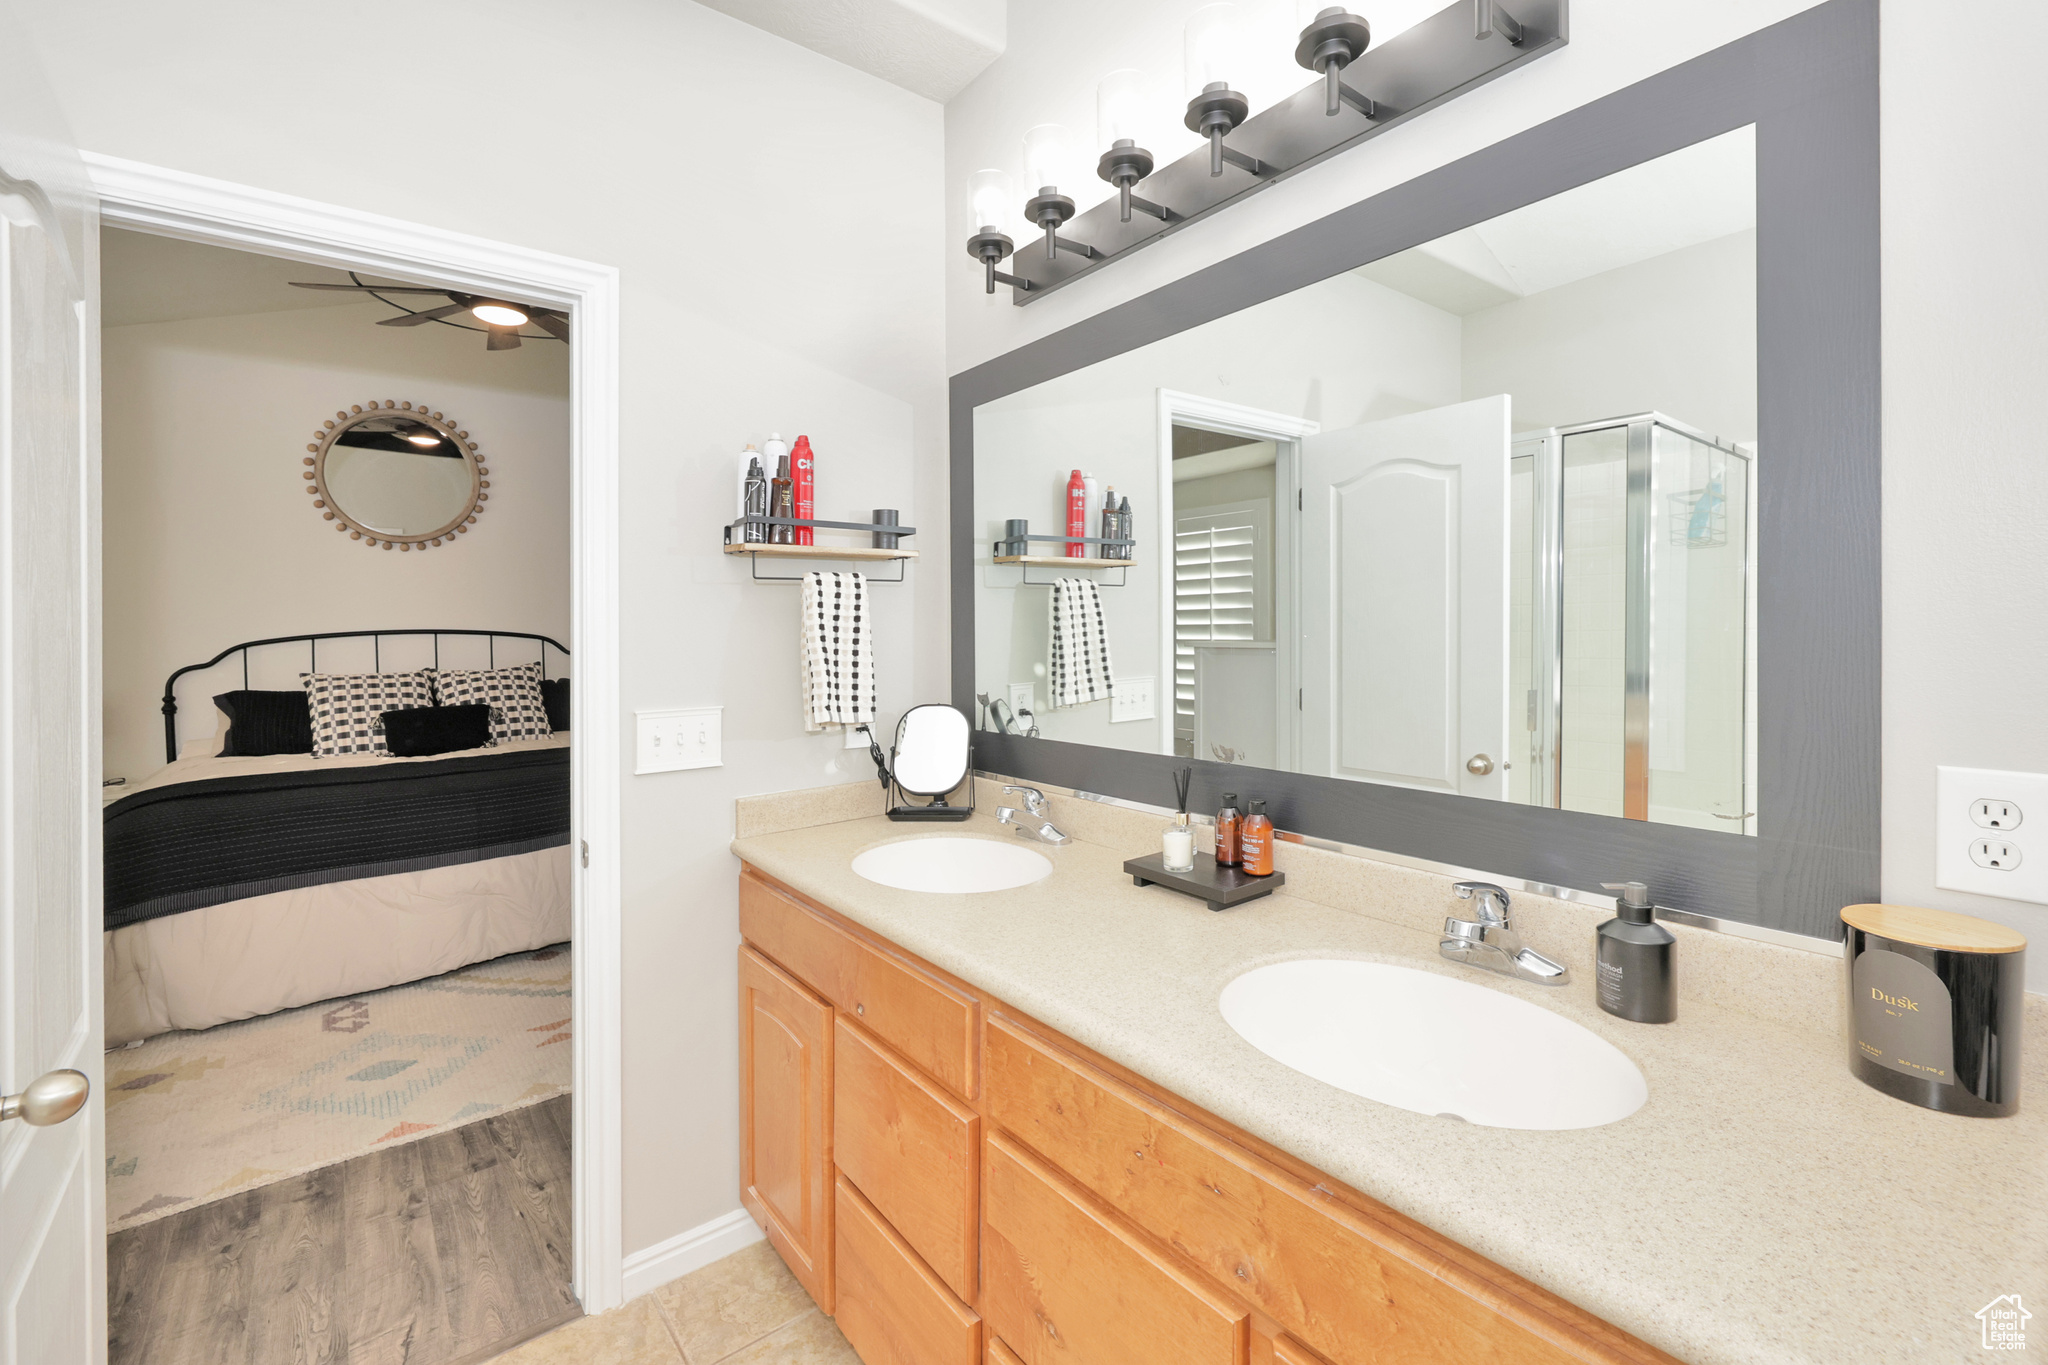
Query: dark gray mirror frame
x,y
1809,85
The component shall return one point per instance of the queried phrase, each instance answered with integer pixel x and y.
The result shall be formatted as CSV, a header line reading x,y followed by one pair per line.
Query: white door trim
x,y
196,208
1214,414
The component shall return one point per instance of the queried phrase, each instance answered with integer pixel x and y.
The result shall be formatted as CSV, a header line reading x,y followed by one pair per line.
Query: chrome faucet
x,y
1490,942
1038,808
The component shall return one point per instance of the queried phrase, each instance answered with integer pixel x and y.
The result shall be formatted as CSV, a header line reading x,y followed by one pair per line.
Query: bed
x,y
241,885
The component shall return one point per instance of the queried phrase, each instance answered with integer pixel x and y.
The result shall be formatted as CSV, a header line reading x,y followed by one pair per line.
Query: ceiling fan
x,y
502,320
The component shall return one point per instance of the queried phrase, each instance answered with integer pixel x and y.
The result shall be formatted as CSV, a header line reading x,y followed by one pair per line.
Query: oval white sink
x,y
1433,1044
952,865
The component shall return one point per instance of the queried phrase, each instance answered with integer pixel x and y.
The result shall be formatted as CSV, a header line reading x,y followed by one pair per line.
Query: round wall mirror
x,y
396,476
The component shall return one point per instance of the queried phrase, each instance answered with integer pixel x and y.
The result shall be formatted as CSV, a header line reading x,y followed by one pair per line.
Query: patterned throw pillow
x,y
518,711
348,708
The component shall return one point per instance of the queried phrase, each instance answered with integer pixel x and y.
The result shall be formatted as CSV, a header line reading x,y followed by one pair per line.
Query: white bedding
x,y
267,953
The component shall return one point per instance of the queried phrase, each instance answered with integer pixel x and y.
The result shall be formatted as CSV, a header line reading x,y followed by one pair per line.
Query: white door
x,y
52,1216
1404,577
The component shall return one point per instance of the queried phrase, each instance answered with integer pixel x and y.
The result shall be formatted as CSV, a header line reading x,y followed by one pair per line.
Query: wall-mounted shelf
x,y
754,550
1062,562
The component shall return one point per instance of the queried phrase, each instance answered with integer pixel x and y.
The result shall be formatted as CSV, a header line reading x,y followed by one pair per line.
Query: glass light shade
x,y
1120,108
990,199
1387,17
498,315
1215,41
1047,157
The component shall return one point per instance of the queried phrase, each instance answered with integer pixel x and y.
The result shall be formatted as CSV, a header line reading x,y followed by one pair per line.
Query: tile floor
x,y
744,1310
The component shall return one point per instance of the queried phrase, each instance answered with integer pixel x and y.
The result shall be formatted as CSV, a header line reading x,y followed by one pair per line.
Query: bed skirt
x,y
289,948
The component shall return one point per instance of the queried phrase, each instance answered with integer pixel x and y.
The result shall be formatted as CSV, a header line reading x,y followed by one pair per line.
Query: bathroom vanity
x,y
958,1182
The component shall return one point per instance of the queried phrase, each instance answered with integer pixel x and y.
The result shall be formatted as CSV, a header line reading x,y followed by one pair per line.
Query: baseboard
x,y
651,1268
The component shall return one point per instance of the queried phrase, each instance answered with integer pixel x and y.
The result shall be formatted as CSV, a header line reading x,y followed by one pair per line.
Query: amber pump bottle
x,y
1226,832
1255,841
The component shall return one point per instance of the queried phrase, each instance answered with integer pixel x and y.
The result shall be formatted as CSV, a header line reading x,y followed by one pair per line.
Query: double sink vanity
x,y
999,1105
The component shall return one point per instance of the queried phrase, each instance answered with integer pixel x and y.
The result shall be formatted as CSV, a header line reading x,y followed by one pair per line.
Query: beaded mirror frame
x,y
331,430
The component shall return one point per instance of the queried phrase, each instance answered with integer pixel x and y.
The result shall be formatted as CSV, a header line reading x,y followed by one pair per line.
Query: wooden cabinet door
x,y
785,1119
891,1307
1065,1284
999,1354
910,1149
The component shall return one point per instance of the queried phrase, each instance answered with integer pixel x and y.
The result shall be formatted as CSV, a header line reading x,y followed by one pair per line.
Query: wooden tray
x,y
1217,886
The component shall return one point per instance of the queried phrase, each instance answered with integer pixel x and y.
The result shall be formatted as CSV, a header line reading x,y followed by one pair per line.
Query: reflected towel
x,y
1080,643
839,656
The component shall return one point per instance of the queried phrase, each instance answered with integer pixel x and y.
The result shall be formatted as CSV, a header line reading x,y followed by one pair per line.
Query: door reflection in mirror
x,y
1475,518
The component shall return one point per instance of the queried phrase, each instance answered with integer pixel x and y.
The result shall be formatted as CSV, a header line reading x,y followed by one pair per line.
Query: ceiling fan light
x,y
493,314
421,438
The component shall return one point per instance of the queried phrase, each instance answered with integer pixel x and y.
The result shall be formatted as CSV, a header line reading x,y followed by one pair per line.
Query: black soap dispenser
x,y
1636,960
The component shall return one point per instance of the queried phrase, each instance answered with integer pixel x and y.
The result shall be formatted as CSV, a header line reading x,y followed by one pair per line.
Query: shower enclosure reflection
x,y
1474,518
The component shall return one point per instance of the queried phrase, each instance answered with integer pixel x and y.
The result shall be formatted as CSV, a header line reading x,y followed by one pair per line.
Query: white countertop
x,y
1762,1206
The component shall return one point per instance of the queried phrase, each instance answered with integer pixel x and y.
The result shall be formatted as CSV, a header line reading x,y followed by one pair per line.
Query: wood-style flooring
x,y
442,1251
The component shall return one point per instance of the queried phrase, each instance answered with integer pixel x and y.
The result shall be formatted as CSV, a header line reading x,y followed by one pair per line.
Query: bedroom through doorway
x,y
336,683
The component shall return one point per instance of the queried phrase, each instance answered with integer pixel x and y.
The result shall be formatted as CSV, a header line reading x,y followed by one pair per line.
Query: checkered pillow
x,y
348,708
518,711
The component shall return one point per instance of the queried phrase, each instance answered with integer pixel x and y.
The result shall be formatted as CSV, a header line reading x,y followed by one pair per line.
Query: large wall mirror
x,y
1489,522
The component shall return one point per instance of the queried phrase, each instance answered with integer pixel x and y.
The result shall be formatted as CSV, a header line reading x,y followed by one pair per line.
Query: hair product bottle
x,y
1635,958
754,498
1255,841
1077,513
1107,522
803,487
1227,821
1123,529
781,501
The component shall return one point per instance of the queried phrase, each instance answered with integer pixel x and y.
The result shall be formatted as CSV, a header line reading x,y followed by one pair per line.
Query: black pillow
x,y
417,731
266,723
554,694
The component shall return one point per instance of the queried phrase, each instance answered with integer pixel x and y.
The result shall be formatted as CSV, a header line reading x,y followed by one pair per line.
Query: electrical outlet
x,y
1024,697
1131,699
670,741
1981,835
857,738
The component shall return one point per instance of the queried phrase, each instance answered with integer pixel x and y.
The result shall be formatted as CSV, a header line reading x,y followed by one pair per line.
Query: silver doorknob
x,y
50,1098
1479,765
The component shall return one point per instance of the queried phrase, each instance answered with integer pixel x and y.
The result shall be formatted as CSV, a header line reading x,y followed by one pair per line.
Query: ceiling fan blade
x,y
502,339
553,323
379,288
415,319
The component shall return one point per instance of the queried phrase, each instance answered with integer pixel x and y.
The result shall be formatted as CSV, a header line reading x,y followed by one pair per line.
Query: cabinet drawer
x,y
920,1016
1349,1286
891,1307
785,1119
909,1148
1064,1284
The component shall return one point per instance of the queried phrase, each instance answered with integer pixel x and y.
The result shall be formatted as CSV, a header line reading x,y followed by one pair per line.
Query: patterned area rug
x,y
193,1117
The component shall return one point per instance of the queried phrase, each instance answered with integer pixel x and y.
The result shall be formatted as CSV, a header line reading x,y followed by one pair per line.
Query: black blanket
x,y
194,844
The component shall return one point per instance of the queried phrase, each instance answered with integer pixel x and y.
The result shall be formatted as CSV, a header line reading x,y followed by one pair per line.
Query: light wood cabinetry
x,y
893,1310
910,1148
1003,1196
785,1125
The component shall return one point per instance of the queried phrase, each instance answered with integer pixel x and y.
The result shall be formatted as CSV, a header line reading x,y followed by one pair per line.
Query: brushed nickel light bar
x,y
1363,91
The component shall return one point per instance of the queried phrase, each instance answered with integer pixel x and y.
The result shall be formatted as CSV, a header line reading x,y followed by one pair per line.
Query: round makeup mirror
x,y
931,749
396,476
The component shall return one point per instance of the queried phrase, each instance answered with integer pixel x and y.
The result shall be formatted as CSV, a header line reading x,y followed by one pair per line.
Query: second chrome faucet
x,y
1490,942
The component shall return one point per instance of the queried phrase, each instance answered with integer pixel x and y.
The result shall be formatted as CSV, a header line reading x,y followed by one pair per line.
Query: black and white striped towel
x,y
1080,643
839,655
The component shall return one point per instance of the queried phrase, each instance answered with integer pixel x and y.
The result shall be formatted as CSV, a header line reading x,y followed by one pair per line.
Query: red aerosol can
x,y
803,479
1077,514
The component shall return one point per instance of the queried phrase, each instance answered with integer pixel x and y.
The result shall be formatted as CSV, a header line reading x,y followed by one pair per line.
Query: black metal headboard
x,y
312,643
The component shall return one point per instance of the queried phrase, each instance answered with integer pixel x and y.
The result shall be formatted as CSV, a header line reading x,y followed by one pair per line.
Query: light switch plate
x,y
670,741
1131,699
2007,811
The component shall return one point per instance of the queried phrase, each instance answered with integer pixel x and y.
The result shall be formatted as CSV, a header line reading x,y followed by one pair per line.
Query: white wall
x,y
776,220
211,540
1965,492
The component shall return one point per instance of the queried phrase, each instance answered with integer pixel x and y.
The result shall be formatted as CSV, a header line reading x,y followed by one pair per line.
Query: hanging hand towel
x,y
839,656
1080,643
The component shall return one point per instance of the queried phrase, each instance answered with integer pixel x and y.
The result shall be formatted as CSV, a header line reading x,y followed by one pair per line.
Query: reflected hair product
x,y
1934,1007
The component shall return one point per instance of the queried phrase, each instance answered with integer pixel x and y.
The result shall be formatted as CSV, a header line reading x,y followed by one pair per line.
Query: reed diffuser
x,y
1177,840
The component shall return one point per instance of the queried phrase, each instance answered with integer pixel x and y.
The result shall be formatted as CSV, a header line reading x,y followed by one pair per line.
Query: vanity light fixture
x,y
1415,67
988,205
1047,158
1332,40
1214,39
1119,116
